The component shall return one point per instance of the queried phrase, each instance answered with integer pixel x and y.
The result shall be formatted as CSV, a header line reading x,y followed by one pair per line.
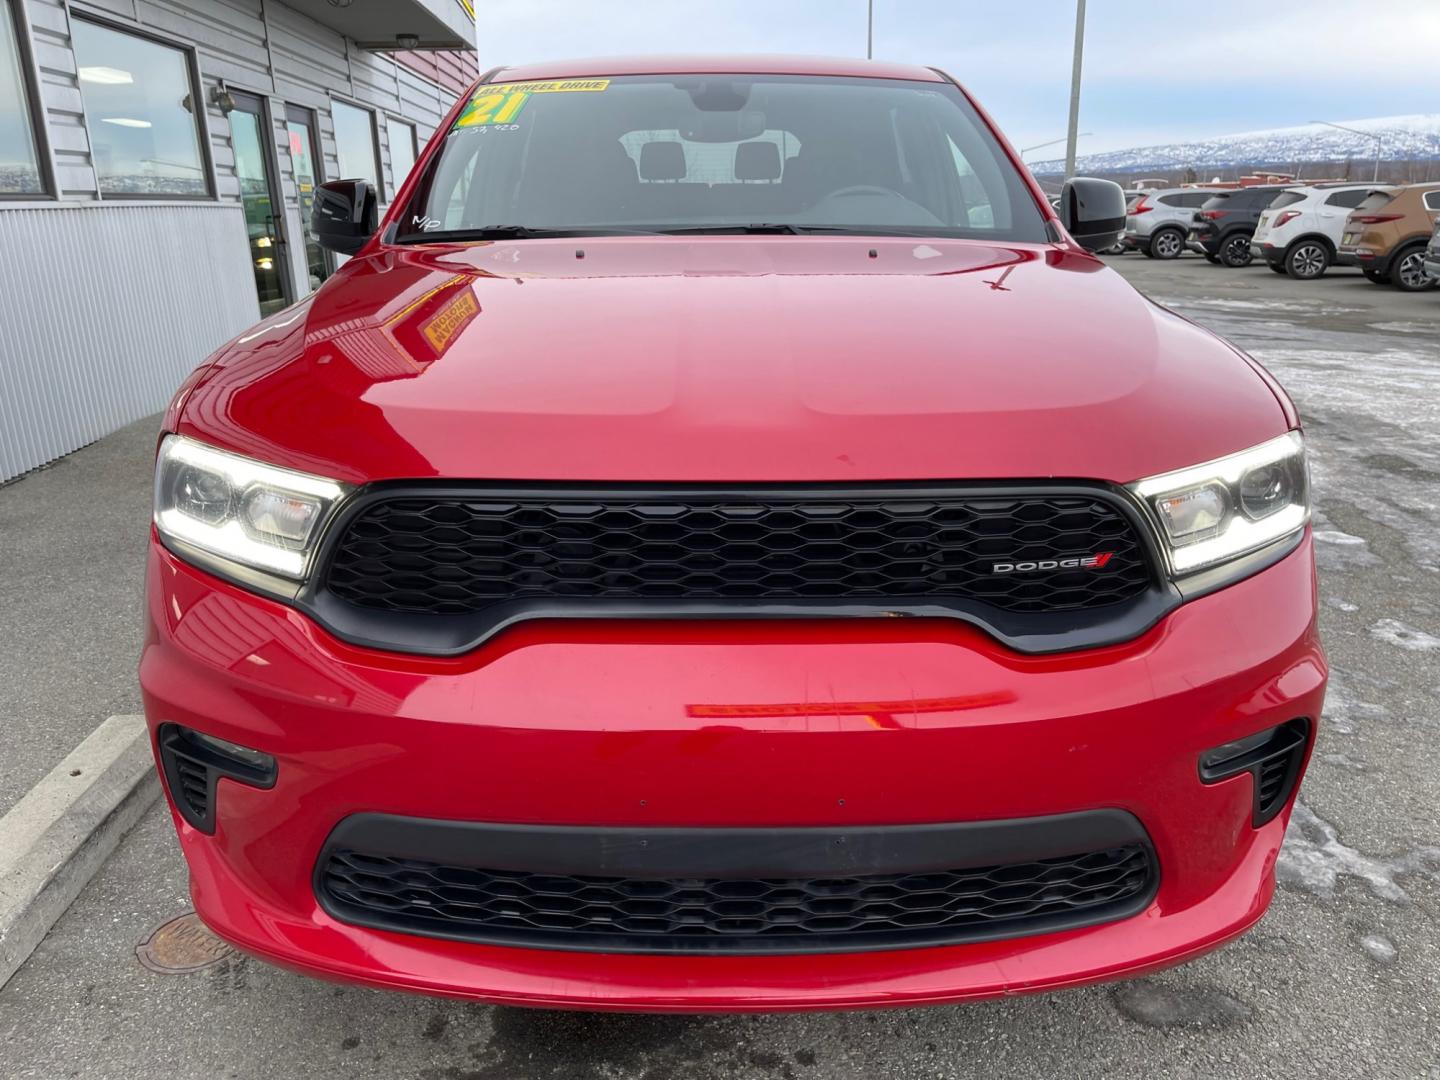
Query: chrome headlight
x,y
250,513
1212,513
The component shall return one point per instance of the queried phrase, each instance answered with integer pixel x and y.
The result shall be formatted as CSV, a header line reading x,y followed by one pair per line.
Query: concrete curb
x,y
54,839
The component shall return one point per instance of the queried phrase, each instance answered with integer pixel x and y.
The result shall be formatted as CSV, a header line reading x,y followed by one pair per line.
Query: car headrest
x,y
662,161
757,160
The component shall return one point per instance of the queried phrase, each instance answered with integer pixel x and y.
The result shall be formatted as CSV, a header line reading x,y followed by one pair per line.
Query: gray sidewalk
x,y
72,550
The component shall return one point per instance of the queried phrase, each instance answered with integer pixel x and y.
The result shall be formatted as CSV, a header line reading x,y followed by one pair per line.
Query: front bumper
x,y
730,725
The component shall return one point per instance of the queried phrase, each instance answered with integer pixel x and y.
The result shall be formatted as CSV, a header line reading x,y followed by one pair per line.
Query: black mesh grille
x,y
625,914
194,786
459,554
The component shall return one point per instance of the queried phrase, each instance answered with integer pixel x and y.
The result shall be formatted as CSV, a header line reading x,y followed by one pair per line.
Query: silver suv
x,y
1156,222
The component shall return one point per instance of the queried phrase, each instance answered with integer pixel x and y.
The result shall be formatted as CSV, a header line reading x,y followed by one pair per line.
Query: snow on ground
x,y
1403,138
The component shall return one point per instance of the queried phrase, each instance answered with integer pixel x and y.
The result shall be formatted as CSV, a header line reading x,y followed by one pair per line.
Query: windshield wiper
x,y
700,230
799,228
516,232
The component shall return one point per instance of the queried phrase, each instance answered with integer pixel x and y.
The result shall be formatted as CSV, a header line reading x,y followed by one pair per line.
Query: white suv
x,y
1299,232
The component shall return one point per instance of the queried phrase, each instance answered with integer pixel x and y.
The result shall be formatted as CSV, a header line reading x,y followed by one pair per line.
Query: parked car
x,y
1120,247
1432,253
1386,235
1156,222
1226,221
659,570
1299,232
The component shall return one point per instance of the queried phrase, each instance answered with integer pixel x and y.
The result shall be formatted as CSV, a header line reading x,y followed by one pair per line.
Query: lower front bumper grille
x,y
847,912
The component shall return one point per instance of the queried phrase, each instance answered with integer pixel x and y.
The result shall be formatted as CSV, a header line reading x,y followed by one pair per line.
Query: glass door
x,y
261,204
305,166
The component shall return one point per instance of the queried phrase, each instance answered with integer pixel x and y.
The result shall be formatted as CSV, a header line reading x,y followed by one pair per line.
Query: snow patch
x,y
1313,859
1335,536
1405,327
1379,948
1394,632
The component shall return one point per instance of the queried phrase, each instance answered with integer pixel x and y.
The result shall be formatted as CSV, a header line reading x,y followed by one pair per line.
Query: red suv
x,y
724,542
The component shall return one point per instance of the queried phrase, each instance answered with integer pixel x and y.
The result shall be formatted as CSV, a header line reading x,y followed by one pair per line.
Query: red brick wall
x,y
453,70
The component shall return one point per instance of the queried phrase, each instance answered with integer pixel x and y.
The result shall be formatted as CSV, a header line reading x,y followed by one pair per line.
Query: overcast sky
x,y
1155,70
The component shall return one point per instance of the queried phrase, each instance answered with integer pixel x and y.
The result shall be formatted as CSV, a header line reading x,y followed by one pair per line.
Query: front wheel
x,y
1168,244
1235,252
1409,274
1307,260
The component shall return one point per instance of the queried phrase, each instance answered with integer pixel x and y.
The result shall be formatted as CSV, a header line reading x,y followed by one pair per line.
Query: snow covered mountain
x,y
1404,138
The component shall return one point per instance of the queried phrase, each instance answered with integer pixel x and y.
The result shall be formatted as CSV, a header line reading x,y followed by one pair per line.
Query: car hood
x,y
730,359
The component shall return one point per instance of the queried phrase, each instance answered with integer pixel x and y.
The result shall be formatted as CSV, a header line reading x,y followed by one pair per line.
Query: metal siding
x,y
97,341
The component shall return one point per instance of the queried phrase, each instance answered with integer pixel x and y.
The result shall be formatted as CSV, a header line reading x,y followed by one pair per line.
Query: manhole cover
x,y
181,946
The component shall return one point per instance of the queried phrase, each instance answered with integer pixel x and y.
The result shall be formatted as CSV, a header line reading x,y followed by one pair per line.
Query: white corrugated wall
x,y
104,309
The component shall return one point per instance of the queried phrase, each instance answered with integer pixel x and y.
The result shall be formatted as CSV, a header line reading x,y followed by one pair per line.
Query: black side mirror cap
x,y
345,215
1093,211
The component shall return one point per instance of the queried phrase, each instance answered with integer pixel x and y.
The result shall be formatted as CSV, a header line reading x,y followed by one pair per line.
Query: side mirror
x,y
345,215
1093,211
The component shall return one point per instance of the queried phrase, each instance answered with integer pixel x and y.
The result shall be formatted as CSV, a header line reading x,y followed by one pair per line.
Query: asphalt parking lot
x,y
1339,980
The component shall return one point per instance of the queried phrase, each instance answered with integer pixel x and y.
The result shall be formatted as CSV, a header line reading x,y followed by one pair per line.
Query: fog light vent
x,y
193,764
1272,758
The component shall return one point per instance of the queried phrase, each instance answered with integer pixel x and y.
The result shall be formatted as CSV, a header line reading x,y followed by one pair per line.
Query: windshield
x,y
721,153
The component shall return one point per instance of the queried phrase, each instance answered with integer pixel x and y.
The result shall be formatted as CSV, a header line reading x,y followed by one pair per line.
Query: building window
x,y
402,151
142,111
19,158
355,144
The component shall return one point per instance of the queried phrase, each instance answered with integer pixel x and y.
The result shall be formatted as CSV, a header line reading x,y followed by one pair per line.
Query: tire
x,y
1276,268
1408,270
1167,244
1307,260
1235,251
1376,277
1212,258
1146,251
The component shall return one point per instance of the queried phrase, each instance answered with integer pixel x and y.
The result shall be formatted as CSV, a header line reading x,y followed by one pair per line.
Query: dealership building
x,y
157,163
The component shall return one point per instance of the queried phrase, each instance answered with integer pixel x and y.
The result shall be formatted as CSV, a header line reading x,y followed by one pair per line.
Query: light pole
x,y
1052,142
1075,89
1379,142
870,31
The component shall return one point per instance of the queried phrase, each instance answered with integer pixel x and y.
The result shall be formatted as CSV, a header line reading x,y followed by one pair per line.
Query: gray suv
x,y
1156,222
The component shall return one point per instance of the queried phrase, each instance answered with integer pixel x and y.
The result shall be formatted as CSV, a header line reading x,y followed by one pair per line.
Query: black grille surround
x,y
847,892
438,569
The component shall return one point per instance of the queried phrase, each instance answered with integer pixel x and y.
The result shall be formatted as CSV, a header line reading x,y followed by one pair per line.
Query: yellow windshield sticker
x,y
500,103
555,86
492,108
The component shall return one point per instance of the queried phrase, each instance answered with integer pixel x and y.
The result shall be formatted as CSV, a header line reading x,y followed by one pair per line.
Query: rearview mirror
x,y
345,215
1092,211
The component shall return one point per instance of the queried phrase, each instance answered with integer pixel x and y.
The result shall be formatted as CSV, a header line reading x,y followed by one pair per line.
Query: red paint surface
x,y
744,723
733,359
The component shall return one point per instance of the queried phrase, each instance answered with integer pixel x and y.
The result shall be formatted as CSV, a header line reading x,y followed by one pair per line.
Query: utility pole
x,y
1379,143
1075,89
870,32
